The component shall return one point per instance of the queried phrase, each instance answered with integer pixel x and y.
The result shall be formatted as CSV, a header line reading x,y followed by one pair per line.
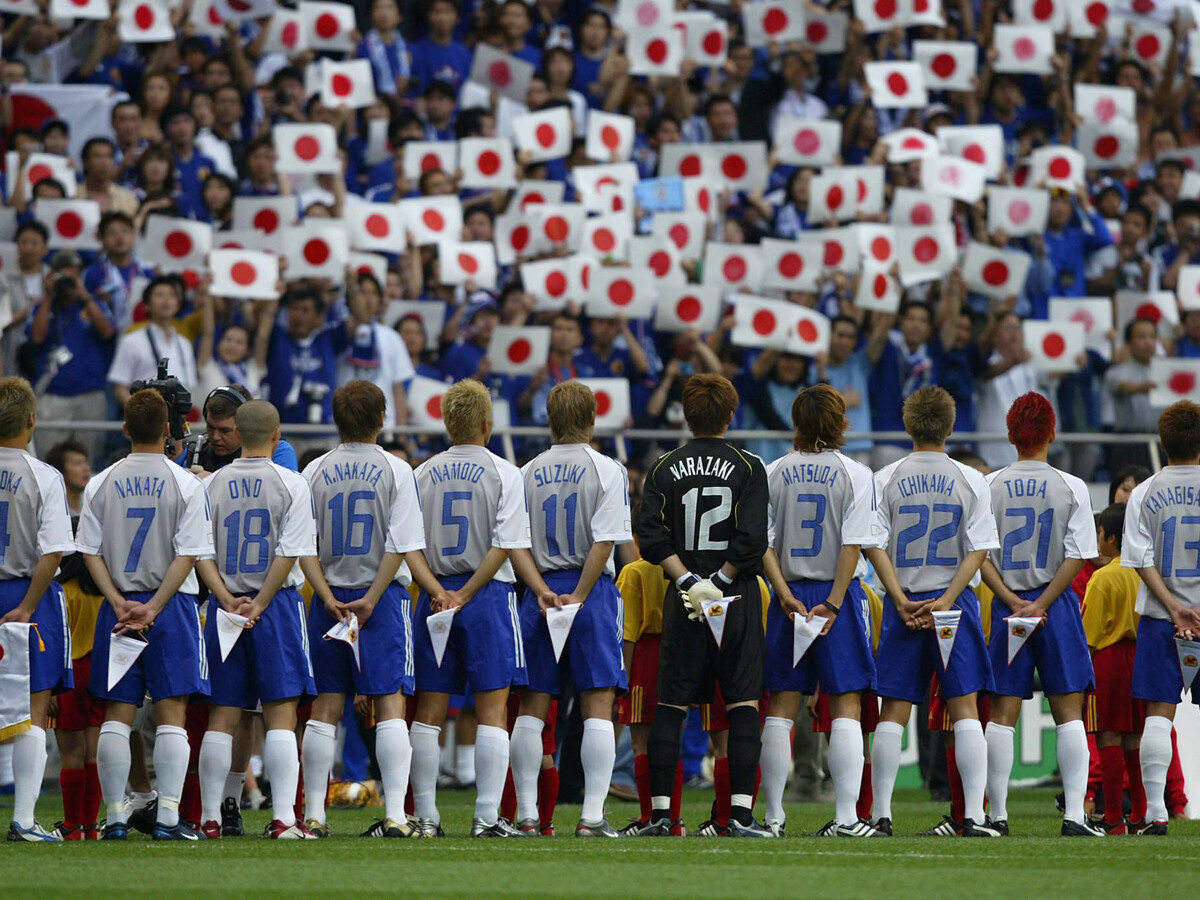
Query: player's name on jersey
x,y
911,485
244,488
354,470
140,486
810,473
561,473
10,481
702,465
455,471
1025,487
1175,495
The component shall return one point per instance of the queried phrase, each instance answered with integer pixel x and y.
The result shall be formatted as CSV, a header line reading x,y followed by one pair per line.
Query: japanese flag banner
x,y
707,43
286,34
733,266
1150,44
762,322
907,144
501,72
546,135
558,225
470,261
176,245
519,350
243,239
1187,288
840,248
620,291
347,84
245,274
1061,167
879,15
40,166
512,236
680,307
1095,314
8,265
913,207
781,21
947,65
791,265
953,175
825,32
607,236
370,263
1019,212
550,283
896,85
430,313
982,144
876,244
606,188
636,15
1084,18
328,26
204,16
1054,346
244,10
995,273
1023,49
687,231
1174,379
531,192
21,7
741,165
807,142
1108,146
71,223
654,51
609,137
144,22
306,148
1101,104
923,12
425,400
700,196
317,248
1157,306
612,402
263,214
833,195
488,163
375,226
430,220
925,253
687,160
426,156
1050,14
77,9
868,189
661,258
809,334
877,290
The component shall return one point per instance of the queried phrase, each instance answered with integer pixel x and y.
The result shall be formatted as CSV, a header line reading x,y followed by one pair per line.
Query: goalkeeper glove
x,y
693,591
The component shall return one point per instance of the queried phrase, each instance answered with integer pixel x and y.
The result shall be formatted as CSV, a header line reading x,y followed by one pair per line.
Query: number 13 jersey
x,y
1162,529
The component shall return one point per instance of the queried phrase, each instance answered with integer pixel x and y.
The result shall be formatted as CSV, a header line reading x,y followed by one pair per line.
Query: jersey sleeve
x,y
981,533
610,521
771,504
653,527
406,525
1097,602
1081,526
298,530
54,530
750,517
1137,546
881,529
860,517
512,518
194,533
89,535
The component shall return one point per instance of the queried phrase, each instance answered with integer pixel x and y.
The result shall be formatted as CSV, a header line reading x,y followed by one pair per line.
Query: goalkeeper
x,y
703,518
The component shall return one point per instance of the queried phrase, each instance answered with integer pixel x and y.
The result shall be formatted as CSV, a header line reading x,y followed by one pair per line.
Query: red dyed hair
x,y
1031,423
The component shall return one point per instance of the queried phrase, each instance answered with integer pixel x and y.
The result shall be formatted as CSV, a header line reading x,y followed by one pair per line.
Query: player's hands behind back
x,y
694,597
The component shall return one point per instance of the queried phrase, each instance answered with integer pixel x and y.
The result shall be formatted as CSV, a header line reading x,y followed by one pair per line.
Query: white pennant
x,y
1020,629
347,631
123,651
439,632
229,628
945,624
804,632
714,614
1189,660
559,620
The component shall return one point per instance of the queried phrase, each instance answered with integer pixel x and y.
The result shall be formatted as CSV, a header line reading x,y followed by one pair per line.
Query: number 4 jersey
x,y
34,519
1162,529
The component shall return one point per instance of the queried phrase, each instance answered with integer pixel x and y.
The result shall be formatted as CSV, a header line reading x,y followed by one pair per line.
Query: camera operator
x,y
73,334
222,443
139,351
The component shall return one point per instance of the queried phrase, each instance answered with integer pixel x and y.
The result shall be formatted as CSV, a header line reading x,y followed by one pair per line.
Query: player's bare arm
x,y
832,605
495,558
962,578
779,585
207,570
253,607
527,570
887,576
1186,619
315,575
365,605
39,583
593,568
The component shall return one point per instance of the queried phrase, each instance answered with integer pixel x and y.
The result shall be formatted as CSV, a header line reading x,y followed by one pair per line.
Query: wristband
x,y
828,605
687,582
721,581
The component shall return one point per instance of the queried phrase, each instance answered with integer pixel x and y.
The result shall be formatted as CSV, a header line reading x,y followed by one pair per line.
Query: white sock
x,y
216,756
394,752
846,767
885,766
29,767
6,767
1156,759
464,762
775,761
112,767
317,753
970,752
526,752
426,756
235,783
283,762
491,768
999,768
598,753
171,755
1073,760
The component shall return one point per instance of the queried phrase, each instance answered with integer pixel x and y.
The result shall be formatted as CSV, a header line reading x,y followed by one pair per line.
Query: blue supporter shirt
x,y
117,281
292,364
190,175
431,62
1068,251
854,373
388,61
91,356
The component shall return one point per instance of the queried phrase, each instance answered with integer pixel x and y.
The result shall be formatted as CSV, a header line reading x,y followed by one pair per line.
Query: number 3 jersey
x,y
818,502
1162,529
1043,517
933,511
34,519
260,511
576,498
139,514
366,505
472,501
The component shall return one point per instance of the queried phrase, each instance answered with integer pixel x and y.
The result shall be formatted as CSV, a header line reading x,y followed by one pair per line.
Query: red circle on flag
x,y
1043,9
519,350
1182,382
243,273
922,214
38,172
943,65
897,84
885,9
925,249
713,43
689,308
307,147
429,162
178,243
604,240
834,197
191,279
316,252
610,137
603,403
69,224
266,221
468,263
556,228
995,273
434,406
763,322
545,134
1142,7
689,166
913,143
679,234
704,200
1147,46
433,220
975,153
1019,212
377,225
1097,13
229,244
326,25
656,51
1106,109
240,6
733,166
1053,345
807,329
620,292
647,13
791,265
342,85
290,34
881,248
500,74
519,237
734,268
862,190
880,287
214,17
556,284
1060,167
660,263
833,253
489,164
920,5
143,17
1149,311
817,32
1083,317
775,21
1107,146
1024,48
585,276
807,141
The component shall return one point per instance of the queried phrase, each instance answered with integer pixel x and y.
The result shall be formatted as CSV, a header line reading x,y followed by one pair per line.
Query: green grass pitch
x,y
1035,862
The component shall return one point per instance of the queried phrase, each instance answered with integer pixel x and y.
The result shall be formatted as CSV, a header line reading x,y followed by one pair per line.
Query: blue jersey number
x,y
253,535
937,536
450,520
146,514
1044,524
1169,527
550,508
5,539
815,525
353,531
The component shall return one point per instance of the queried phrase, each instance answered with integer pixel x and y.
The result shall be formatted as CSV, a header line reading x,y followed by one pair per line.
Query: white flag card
x,y
1102,103
896,85
620,291
1157,306
546,134
907,144
791,265
732,265
877,290
1095,314
176,245
654,51
825,32
144,22
1189,660
439,625
876,244
608,235
501,72
804,632
425,400
781,21
911,207
430,313
230,627
123,652
996,273
833,194
519,349
460,262
306,148
609,137
807,142
707,41
1017,211
926,253
1046,13
40,166
251,274
264,214
559,621
349,83
489,163
1187,288
1054,346
662,258
953,175
1057,166
346,631
1084,18
612,402
948,65
424,156
327,25
981,144
680,307
1174,379
715,612
1020,629
431,220
375,226
945,625
687,231
741,165
1023,49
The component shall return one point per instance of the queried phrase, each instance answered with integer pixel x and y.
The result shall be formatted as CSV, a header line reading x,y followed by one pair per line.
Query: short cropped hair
x,y
358,410
571,409
146,417
929,415
466,410
56,456
709,402
1112,522
17,403
819,417
1179,430
1031,423
221,406
256,422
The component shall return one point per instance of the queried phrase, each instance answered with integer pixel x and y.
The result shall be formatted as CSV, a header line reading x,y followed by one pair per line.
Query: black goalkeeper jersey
x,y
707,502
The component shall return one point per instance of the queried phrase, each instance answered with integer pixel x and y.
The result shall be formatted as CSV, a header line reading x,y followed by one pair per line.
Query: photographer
x,y
139,351
73,335
222,443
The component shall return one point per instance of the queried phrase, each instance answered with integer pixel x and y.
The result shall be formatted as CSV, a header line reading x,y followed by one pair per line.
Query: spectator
x,y
384,48
191,166
139,351
846,368
1008,376
70,457
99,179
439,57
1128,385
376,353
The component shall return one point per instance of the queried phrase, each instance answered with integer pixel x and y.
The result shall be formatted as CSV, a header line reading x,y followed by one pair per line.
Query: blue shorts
x,y
1058,647
1156,674
593,656
907,659
839,662
269,661
49,669
173,665
485,648
384,646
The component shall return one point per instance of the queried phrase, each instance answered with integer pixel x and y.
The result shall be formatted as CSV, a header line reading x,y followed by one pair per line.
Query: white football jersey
x,y
34,518
1162,529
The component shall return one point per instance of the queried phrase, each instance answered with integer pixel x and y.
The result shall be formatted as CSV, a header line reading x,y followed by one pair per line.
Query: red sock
x,y
1112,773
508,800
866,797
547,795
1176,796
641,776
958,802
721,788
90,811
74,783
757,784
676,810
1137,790
189,804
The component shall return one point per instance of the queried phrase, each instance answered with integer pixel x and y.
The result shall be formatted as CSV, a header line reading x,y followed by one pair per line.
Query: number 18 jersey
x,y
1162,529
